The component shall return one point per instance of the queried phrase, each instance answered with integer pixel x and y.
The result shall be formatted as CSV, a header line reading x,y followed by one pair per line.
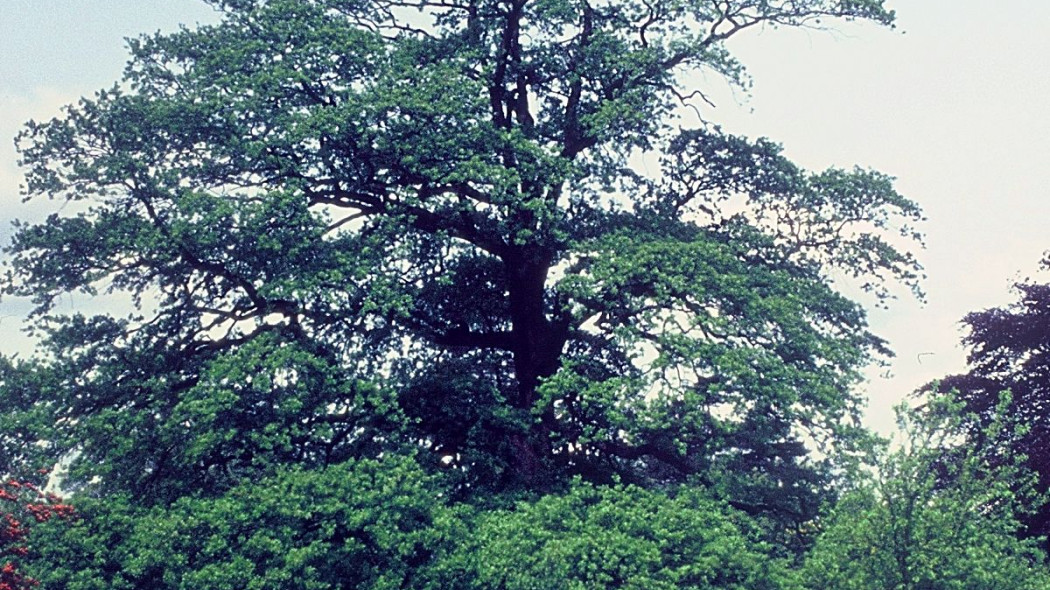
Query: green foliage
x,y
27,394
613,537
937,515
320,192
361,524
357,231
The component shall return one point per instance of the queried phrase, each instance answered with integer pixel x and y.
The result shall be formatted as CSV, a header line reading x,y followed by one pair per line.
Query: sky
x,y
952,102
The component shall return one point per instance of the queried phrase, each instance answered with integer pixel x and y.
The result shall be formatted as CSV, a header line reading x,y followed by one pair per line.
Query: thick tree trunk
x,y
536,347
537,350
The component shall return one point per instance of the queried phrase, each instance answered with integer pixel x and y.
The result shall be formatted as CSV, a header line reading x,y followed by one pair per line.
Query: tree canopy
x,y
493,236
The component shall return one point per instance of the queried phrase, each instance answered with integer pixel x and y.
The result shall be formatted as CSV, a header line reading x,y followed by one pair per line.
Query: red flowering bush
x,y
21,504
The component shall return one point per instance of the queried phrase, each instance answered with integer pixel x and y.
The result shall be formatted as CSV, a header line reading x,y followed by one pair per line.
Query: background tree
x,y
939,513
1009,350
362,229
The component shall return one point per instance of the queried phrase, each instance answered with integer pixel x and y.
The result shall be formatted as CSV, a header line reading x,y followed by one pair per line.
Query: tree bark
x,y
537,347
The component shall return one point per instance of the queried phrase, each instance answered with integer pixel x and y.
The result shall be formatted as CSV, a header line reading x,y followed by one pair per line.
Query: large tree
x,y
491,233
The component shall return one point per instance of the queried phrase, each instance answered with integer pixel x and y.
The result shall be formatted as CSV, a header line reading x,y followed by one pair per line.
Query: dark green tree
x,y
356,229
1009,350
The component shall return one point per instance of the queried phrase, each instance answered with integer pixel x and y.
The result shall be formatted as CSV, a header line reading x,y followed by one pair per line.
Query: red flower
x,y
27,504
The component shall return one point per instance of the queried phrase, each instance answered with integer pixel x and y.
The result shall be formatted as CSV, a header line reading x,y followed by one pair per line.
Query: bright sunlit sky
x,y
953,102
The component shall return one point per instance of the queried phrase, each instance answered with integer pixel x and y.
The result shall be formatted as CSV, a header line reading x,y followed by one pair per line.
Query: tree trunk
x,y
537,353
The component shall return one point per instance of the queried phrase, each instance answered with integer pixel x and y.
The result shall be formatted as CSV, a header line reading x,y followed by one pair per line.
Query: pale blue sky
x,y
953,103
